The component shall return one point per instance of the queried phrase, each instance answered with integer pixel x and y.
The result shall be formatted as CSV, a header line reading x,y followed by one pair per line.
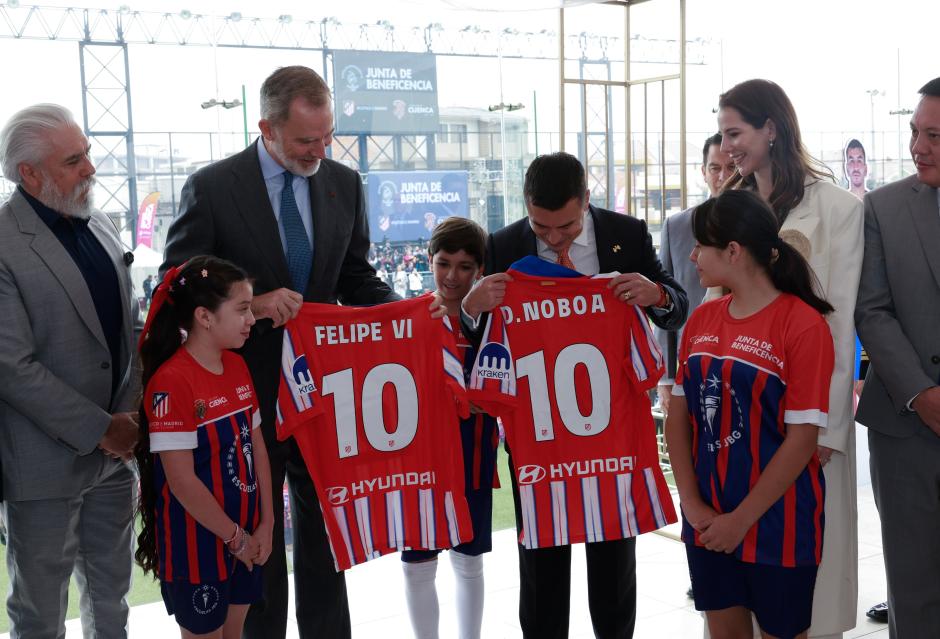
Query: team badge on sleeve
x,y
161,405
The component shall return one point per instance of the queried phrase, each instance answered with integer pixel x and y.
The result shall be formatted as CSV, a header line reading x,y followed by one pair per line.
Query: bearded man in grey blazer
x,y
67,323
898,320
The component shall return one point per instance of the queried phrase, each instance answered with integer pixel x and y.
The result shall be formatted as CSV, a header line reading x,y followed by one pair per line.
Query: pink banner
x,y
145,217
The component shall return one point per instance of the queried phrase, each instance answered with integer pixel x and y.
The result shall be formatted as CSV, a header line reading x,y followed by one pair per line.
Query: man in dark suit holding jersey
x,y
564,227
296,222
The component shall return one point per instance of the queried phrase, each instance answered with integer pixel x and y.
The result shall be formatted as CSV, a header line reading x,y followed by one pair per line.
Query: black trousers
x,y
320,591
545,586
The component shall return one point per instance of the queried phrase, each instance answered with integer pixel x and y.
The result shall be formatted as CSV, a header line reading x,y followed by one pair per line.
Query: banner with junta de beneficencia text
x,y
385,93
405,206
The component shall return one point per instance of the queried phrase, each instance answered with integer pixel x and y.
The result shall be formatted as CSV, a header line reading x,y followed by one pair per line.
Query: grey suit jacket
x,y
898,310
55,377
225,211
675,244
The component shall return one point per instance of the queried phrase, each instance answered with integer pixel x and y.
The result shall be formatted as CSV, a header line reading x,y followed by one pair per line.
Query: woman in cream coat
x,y
825,223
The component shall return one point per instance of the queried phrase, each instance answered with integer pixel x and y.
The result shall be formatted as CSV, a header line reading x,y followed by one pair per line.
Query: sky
x,y
825,54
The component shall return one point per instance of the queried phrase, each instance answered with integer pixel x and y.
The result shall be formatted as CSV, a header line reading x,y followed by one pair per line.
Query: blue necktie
x,y
299,253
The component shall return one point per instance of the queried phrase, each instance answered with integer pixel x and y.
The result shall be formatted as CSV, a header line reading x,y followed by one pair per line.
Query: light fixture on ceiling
x,y
516,5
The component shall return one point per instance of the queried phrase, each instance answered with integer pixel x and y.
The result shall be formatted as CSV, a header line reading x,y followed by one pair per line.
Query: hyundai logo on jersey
x,y
161,405
494,361
337,495
531,474
302,377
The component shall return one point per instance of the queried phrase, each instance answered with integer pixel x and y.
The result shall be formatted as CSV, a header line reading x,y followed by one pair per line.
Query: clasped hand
x,y
718,532
121,437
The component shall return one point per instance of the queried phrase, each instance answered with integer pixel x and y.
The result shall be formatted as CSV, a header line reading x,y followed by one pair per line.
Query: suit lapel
x,y
322,203
50,250
528,239
250,196
607,249
108,237
924,210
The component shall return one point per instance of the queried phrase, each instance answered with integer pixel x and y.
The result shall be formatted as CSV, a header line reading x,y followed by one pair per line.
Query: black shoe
x,y
688,593
878,612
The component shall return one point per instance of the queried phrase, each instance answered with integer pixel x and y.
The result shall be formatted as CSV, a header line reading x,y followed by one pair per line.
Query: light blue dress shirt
x,y
273,174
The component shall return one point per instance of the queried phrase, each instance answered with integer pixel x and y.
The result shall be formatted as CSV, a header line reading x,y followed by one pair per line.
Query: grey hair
x,y
25,139
287,83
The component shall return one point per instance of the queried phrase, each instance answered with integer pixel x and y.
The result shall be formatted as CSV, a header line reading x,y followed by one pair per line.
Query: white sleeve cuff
x,y
474,323
814,416
256,419
160,442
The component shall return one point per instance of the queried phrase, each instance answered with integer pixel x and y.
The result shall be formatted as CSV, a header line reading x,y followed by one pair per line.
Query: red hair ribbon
x,y
161,294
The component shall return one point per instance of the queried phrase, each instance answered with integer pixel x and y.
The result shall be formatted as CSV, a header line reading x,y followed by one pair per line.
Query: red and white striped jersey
x,y
372,396
567,367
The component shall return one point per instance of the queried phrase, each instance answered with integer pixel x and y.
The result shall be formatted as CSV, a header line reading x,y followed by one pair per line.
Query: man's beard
x,y
292,165
71,204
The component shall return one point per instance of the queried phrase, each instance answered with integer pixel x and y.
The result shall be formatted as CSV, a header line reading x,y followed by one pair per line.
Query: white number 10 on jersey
x,y
533,367
340,385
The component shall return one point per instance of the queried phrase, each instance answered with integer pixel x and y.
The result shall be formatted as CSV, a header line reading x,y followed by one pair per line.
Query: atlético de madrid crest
x,y
200,407
160,405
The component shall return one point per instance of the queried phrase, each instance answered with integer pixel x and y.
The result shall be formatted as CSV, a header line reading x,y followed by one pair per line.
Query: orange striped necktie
x,y
565,260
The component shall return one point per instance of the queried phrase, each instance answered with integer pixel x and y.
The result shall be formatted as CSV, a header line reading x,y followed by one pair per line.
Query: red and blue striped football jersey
x,y
744,380
567,367
372,396
190,408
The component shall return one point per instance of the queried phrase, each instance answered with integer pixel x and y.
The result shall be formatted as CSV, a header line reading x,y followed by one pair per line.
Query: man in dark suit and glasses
x,y
296,222
564,227
676,242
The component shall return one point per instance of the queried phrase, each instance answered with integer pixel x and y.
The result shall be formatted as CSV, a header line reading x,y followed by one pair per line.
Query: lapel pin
x,y
616,248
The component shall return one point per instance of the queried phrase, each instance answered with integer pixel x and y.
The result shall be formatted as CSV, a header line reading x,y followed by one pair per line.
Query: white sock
x,y
421,595
468,570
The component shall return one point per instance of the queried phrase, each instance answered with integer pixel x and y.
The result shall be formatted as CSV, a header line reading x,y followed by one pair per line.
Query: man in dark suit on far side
x,y
564,227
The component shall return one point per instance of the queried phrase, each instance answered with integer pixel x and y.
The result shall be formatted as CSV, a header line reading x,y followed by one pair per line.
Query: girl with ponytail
x,y
205,498
751,396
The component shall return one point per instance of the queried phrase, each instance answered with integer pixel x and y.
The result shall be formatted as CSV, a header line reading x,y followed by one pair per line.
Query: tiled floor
x,y
663,612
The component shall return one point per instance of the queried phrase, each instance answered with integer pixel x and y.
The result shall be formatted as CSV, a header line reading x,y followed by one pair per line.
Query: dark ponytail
x,y
202,281
743,217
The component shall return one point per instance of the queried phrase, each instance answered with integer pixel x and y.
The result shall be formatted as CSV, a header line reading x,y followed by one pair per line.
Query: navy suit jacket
x,y
225,211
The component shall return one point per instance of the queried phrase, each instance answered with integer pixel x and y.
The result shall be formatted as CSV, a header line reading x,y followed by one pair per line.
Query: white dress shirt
x,y
582,252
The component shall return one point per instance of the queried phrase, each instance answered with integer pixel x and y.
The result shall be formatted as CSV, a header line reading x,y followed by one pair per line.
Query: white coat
x,y
830,223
